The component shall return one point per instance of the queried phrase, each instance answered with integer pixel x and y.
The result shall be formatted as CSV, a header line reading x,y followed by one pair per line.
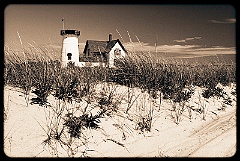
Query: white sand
x,y
26,127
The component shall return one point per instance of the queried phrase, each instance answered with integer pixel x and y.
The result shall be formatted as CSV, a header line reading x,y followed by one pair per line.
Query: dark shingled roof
x,y
101,46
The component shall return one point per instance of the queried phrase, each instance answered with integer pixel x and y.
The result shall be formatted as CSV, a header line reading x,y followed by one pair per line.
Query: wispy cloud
x,y
197,50
224,21
187,39
54,46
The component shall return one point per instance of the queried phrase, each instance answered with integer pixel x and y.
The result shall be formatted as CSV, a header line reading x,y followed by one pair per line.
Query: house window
x,y
69,55
117,51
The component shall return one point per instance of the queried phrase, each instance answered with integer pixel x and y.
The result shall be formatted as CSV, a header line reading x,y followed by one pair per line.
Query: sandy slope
x,y
25,129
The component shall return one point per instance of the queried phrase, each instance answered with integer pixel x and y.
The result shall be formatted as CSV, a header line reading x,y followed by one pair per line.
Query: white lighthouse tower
x,y
70,51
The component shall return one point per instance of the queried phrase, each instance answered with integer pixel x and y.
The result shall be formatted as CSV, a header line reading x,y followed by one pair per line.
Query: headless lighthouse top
x,y
70,33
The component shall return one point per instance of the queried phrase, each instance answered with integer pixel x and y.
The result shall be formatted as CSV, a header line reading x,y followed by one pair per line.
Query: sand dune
x,y
25,129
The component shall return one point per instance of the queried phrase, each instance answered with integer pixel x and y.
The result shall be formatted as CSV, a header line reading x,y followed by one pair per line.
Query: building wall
x,y
112,54
70,45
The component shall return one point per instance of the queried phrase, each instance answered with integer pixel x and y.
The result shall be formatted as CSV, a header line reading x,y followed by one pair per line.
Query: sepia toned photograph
x,y
119,81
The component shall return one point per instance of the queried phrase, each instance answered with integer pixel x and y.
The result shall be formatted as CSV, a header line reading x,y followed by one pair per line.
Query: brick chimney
x,y
110,37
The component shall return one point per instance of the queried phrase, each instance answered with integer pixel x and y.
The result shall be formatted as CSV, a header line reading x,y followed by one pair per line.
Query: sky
x,y
182,29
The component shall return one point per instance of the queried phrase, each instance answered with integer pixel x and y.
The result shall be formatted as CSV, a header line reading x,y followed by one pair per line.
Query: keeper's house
x,y
99,52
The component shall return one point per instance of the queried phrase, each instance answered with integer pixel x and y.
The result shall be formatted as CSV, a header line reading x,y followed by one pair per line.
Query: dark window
x,y
117,51
69,55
